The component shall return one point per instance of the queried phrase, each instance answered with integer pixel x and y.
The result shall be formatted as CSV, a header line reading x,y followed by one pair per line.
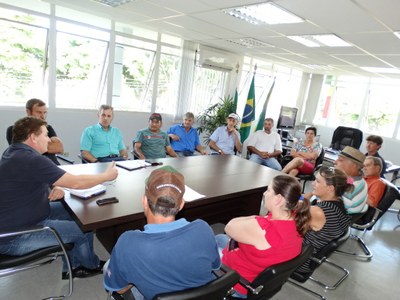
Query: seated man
x,y
103,142
265,146
351,161
225,139
26,198
152,142
37,108
169,255
184,138
376,186
374,143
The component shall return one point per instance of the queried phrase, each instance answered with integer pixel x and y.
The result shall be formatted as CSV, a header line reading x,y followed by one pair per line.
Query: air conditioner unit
x,y
215,58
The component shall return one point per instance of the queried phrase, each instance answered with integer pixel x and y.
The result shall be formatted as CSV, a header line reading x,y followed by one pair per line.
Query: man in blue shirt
x,y
169,255
30,186
102,142
184,138
226,139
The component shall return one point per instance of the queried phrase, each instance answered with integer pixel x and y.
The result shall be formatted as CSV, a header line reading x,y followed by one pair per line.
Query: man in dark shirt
x,y
26,198
374,143
37,108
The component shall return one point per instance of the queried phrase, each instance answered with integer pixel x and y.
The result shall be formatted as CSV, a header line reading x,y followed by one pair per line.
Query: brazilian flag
x,y
249,114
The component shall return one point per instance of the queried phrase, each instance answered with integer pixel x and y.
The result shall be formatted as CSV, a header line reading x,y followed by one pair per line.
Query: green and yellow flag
x,y
260,124
249,114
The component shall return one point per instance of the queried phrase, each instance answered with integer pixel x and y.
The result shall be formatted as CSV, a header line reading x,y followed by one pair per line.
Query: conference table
x,y
232,187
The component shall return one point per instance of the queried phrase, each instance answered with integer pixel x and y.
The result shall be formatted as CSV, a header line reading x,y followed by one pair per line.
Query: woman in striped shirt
x,y
329,219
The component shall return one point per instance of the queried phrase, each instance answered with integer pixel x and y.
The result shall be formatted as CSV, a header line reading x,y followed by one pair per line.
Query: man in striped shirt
x,y
351,161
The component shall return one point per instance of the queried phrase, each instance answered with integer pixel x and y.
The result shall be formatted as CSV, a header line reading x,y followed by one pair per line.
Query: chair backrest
x,y
389,196
327,250
275,276
346,136
214,290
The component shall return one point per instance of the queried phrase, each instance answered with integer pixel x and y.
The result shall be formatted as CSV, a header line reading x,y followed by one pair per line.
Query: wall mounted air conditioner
x,y
215,58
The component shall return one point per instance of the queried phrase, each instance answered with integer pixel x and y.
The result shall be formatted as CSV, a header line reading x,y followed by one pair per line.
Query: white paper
x,y
87,193
191,195
132,164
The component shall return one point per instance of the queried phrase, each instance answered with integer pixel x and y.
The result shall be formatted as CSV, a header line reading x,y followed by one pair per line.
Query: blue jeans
x,y
222,242
59,219
269,162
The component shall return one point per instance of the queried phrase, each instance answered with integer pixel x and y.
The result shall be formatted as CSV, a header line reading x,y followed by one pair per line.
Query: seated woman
x,y
329,219
265,241
304,155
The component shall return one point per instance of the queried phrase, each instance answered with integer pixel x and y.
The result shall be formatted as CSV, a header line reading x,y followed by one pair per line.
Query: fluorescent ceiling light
x,y
320,40
263,13
381,70
250,43
318,67
397,33
113,3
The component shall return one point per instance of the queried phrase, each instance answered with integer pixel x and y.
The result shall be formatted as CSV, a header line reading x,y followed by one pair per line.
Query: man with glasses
x,y
152,142
37,108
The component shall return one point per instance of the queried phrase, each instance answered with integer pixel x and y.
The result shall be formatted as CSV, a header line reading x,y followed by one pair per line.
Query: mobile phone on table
x,y
105,201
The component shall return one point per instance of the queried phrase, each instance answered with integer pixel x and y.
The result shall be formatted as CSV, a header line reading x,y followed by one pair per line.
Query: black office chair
x,y
64,159
214,290
12,264
367,221
346,136
311,177
270,281
317,260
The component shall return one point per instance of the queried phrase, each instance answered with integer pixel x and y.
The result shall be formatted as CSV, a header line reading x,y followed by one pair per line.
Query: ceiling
x,y
367,25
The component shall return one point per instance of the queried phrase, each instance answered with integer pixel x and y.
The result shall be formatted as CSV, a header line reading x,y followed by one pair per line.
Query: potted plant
x,y
214,117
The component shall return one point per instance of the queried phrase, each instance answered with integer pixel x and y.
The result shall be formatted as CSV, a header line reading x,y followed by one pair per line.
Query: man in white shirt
x,y
265,146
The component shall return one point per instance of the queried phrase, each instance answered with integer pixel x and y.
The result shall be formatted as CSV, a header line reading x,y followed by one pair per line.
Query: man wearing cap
x,y
351,161
374,143
225,139
103,142
169,255
184,138
152,142
265,146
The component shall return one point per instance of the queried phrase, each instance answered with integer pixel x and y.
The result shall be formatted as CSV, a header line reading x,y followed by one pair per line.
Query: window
x,y
23,57
81,67
208,88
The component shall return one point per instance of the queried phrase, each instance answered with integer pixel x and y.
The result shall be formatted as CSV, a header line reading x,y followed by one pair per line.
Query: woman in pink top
x,y
267,240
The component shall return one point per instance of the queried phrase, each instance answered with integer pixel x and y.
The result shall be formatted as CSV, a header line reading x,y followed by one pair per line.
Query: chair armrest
x,y
370,223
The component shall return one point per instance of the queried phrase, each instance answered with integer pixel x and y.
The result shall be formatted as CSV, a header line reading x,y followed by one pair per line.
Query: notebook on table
x,y
131,165
88,193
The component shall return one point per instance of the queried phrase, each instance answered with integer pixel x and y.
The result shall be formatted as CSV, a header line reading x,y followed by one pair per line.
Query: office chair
x,y
12,264
311,177
65,159
317,260
367,220
214,290
270,281
346,136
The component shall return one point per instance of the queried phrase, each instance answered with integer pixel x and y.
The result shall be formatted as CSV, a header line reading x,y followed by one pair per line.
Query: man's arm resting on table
x,y
170,151
71,181
138,150
86,155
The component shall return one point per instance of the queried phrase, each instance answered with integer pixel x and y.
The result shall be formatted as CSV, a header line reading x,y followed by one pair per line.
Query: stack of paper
x,y
88,193
131,165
